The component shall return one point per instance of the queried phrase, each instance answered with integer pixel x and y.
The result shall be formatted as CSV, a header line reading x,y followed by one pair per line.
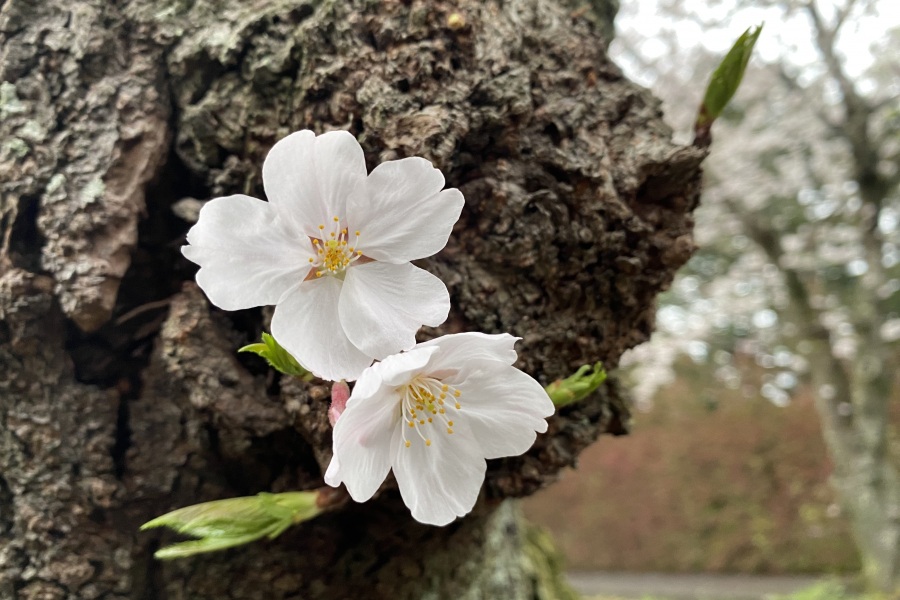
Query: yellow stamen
x,y
334,254
421,395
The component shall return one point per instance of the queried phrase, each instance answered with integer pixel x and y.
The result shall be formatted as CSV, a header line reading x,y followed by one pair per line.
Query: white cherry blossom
x,y
331,250
433,415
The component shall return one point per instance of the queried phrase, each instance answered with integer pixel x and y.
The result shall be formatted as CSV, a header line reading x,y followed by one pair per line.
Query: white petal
x,y
333,473
306,323
362,442
405,215
439,482
383,305
469,351
340,169
369,383
309,178
247,256
289,178
504,408
399,369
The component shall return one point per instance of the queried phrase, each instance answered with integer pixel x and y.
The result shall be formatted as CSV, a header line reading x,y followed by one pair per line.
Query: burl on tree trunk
x,y
121,395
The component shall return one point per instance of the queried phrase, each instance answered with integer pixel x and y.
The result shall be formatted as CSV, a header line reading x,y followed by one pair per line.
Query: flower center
x,y
425,407
333,251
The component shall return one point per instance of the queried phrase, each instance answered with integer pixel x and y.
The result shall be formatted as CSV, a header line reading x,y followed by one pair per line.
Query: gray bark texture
x,y
121,395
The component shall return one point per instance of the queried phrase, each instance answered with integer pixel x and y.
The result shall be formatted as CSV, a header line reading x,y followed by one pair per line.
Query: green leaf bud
x,y
723,84
232,522
277,357
577,386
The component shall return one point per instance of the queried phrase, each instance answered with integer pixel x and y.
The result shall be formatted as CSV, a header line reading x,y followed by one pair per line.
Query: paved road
x,y
687,587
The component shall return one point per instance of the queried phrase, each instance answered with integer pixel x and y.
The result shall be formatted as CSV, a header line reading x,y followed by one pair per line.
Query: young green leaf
x,y
201,546
277,357
723,84
577,386
228,523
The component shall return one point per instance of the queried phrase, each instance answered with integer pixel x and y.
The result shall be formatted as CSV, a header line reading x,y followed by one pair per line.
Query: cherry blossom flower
x,y
433,415
331,250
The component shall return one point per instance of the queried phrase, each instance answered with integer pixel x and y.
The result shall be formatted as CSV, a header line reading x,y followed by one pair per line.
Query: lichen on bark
x,y
122,396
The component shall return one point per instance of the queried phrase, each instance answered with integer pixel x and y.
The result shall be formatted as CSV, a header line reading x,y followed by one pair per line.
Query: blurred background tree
x,y
798,265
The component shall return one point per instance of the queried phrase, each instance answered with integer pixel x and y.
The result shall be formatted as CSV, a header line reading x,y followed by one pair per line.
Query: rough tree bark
x,y
121,396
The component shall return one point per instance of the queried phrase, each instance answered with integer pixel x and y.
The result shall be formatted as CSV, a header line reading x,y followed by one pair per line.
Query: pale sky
x,y
783,36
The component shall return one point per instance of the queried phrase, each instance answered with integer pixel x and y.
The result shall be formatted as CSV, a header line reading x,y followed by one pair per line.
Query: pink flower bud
x,y
340,391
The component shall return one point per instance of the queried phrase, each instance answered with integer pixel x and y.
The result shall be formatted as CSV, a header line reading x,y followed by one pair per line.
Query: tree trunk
x,y
852,401
866,480
121,396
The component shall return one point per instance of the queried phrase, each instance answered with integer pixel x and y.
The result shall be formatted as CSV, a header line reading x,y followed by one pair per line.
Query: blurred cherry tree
x,y
799,233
